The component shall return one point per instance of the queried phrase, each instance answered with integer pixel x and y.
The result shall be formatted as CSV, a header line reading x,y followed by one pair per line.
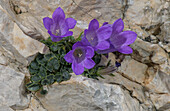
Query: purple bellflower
x,y
96,37
58,26
80,57
119,39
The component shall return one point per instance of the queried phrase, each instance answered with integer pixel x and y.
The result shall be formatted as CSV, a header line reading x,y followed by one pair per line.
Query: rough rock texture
x,y
34,106
11,85
79,94
141,83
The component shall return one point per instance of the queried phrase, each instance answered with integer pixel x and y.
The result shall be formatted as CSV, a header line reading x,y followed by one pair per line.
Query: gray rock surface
x,y
141,83
82,94
12,86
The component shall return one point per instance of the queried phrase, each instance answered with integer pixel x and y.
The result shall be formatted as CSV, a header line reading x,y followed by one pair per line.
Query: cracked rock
x,y
158,82
13,35
82,94
161,101
133,69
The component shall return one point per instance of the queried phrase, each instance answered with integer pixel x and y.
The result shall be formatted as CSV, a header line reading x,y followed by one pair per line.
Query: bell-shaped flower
x,y
119,39
58,26
96,37
80,57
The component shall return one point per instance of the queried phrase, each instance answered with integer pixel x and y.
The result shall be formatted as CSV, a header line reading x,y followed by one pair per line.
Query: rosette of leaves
x,y
46,69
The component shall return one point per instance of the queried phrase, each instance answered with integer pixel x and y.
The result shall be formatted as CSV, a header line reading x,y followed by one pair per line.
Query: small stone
x,y
133,70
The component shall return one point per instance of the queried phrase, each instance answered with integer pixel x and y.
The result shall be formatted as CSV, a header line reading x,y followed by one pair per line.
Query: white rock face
x,y
11,85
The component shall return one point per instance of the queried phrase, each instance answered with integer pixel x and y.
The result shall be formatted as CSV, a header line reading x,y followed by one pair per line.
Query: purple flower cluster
x,y
104,39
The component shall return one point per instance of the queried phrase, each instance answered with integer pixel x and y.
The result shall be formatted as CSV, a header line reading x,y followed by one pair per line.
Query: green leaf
x,y
111,74
61,51
45,82
35,78
32,71
62,60
97,58
66,75
43,92
53,64
54,48
42,72
79,38
34,65
56,64
32,87
48,56
49,66
58,77
47,42
50,78
40,59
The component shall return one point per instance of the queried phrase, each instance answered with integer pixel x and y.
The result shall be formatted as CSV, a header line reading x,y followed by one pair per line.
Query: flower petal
x,y
104,33
111,49
118,26
77,68
55,38
103,45
77,44
69,33
129,35
89,52
91,37
69,56
94,25
47,22
71,23
85,41
123,39
88,63
58,15
63,27
125,50
117,41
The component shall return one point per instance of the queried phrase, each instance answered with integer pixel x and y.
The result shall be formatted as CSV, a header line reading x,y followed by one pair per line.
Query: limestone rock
x,y
5,108
133,69
145,49
3,60
11,85
158,82
165,67
28,13
161,101
13,35
84,94
34,106
134,88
